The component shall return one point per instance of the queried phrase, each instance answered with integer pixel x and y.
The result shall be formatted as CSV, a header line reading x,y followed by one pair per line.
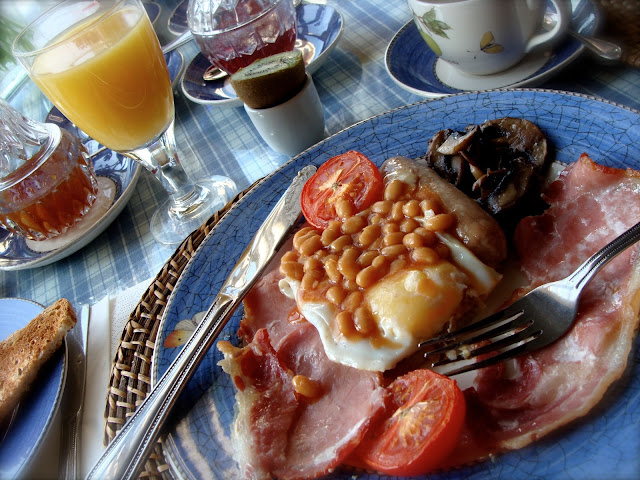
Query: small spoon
x,y
602,48
213,73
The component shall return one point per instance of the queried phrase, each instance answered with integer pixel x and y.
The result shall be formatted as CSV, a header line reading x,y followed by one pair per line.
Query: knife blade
x,y
73,397
131,446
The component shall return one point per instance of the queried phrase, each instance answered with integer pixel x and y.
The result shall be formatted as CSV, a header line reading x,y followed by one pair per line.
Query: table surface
x,y
353,85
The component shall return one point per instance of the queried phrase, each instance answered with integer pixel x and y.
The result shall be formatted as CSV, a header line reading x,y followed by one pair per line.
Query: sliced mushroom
x,y
458,141
515,136
449,167
500,163
501,191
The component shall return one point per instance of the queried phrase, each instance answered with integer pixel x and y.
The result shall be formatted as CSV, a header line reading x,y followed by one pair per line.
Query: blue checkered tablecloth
x,y
353,85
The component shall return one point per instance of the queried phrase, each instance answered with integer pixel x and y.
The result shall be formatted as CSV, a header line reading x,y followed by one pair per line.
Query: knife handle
x,y
132,445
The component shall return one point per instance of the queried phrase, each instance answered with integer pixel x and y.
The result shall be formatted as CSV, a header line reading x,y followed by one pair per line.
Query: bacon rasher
x,y
526,398
279,433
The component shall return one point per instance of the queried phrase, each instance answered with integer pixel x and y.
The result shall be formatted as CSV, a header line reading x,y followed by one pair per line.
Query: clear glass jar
x,y
234,33
47,182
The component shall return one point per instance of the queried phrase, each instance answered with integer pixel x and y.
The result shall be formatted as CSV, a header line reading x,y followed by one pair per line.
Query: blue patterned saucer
x,y
177,23
153,11
416,68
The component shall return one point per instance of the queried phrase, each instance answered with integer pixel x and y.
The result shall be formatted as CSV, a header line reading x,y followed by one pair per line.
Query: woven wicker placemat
x,y
131,370
622,25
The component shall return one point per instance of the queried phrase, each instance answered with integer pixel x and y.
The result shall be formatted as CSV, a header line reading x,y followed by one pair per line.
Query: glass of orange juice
x,y
101,64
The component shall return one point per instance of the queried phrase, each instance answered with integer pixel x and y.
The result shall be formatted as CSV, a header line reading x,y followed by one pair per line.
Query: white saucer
x,y
451,76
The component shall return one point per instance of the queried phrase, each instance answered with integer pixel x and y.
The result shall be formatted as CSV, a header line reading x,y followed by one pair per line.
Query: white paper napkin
x,y
107,320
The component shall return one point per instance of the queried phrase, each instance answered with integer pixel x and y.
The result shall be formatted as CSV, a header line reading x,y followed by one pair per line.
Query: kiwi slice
x,y
270,81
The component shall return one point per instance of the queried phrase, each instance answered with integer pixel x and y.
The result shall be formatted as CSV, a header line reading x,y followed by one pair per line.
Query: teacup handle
x,y
563,15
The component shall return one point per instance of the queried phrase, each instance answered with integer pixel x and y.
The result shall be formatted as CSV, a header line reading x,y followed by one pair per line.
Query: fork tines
x,y
496,338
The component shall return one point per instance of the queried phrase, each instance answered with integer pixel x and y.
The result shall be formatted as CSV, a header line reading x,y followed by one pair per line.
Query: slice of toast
x,y
24,352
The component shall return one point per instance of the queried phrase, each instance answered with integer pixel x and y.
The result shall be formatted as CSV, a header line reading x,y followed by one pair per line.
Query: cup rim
x,y
20,53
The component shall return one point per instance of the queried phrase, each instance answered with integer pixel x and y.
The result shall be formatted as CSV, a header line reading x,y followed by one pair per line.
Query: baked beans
x,y
394,190
408,225
353,300
340,243
306,387
367,276
336,294
369,234
293,270
311,244
353,253
344,208
348,265
312,263
365,258
363,321
354,224
329,235
393,238
382,207
396,213
344,319
411,208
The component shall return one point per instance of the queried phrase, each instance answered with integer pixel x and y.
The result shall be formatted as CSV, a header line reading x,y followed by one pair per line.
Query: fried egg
x,y
408,306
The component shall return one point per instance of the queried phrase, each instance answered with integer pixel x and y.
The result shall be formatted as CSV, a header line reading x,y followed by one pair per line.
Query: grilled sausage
x,y
480,232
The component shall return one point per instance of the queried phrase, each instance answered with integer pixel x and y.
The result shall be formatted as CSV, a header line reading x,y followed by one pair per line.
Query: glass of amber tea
x,y
235,33
47,182
101,64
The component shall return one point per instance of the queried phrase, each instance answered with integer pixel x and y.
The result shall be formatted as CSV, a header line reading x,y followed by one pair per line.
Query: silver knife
x,y
73,397
131,446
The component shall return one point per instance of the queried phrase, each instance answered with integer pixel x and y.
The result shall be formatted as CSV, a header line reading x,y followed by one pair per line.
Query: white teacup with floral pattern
x,y
483,37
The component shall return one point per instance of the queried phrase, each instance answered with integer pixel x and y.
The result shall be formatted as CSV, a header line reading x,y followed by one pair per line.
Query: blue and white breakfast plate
x,y
117,178
319,28
603,444
34,416
417,69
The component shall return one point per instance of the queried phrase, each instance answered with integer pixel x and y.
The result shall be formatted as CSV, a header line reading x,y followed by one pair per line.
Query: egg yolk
x,y
424,300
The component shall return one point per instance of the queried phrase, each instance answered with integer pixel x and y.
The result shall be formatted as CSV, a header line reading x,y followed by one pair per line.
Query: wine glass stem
x,y
161,158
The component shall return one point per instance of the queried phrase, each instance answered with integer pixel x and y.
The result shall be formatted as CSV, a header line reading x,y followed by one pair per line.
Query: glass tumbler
x,y
234,33
47,182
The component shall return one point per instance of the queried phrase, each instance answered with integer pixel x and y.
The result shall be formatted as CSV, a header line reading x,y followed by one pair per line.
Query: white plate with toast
x,y
30,422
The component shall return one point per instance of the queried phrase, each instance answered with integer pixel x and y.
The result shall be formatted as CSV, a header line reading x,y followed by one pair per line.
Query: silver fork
x,y
534,321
